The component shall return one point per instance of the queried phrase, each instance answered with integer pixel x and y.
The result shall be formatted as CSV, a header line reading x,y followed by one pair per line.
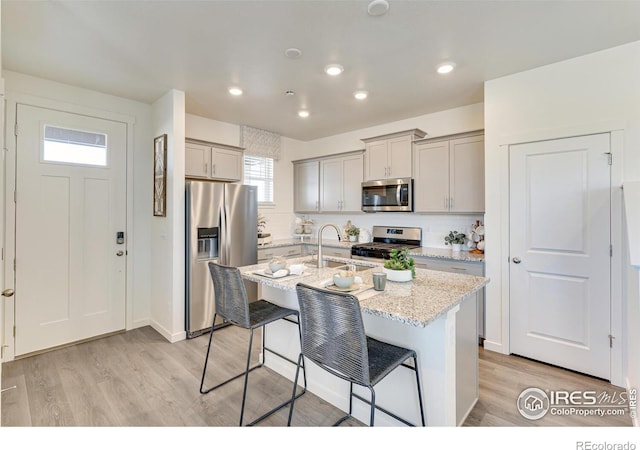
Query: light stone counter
x,y
435,315
313,241
430,295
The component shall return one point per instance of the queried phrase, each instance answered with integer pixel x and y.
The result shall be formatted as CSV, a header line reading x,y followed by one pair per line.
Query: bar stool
x,y
333,337
232,304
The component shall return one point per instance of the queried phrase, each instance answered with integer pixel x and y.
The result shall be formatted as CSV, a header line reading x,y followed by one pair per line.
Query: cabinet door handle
x,y
451,203
214,169
205,168
446,202
459,268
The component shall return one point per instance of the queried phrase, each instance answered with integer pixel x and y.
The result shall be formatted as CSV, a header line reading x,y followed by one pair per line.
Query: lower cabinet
x,y
289,251
463,267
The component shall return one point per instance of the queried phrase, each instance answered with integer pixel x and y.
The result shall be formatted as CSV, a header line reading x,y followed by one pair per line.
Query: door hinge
x,y
15,196
14,331
609,158
15,129
611,338
610,250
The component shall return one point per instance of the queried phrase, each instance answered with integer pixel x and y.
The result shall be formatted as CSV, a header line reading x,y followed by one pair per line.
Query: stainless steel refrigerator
x,y
221,226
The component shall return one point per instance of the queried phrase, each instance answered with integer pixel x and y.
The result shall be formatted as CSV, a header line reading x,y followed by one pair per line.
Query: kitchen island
x,y
435,315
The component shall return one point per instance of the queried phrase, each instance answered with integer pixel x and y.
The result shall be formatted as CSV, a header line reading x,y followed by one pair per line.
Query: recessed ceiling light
x,y
303,113
334,69
360,95
445,67
235,91
378,7
293,53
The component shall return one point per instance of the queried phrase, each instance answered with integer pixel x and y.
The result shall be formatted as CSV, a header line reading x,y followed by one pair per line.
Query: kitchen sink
x,y
339,265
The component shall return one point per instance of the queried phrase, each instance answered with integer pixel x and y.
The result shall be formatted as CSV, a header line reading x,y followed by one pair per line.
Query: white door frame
x,y
616,129
13,99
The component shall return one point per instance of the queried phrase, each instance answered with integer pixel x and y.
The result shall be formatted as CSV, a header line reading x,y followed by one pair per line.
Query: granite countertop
x,y
428,252
418,303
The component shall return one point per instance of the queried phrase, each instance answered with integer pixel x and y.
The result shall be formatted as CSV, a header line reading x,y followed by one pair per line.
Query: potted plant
x,y
400,266
353,233
455,239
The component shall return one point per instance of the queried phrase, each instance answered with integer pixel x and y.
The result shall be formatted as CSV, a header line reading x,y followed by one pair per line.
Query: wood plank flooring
x,y
137,378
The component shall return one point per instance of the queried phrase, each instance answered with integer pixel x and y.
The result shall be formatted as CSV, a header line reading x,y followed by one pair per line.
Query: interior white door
x,y
71,203
560,295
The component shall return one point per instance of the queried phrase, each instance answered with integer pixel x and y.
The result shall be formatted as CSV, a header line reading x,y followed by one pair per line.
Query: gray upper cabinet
x,y
330,184
449,174
306,186
341,184
213,161
390,155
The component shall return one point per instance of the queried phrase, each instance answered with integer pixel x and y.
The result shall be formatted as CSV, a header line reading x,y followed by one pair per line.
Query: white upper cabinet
x,y
449,174
331,184
213,161
390,156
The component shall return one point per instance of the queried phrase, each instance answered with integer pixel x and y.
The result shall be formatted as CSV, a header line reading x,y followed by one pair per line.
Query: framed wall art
x,y
160,176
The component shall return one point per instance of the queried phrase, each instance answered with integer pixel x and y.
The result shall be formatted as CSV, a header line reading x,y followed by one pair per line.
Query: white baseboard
x,y
139,324
171,337
494,347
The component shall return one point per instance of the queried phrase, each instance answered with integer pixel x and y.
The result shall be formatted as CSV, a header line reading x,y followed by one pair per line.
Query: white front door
x,y
560,265
71,203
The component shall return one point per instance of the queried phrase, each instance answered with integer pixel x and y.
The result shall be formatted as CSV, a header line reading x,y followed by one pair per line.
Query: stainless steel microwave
x,y
388,195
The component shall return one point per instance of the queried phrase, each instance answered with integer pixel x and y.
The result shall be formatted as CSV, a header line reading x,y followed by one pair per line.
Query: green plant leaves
x,y
400,260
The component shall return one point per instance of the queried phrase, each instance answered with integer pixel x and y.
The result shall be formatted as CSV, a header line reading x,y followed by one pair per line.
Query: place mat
x,y
268,274
354,289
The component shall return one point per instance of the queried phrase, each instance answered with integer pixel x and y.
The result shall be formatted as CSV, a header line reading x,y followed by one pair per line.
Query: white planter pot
x,y
398,275
456,247
353,238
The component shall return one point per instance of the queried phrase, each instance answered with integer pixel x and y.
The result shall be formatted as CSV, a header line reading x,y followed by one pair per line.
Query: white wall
x,y
167,233
595,92
434,227
138,176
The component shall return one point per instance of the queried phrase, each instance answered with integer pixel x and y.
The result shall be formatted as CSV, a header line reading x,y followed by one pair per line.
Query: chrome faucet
x,y
320,240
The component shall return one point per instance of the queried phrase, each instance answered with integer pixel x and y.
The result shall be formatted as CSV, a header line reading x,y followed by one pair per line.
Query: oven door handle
x,y
367,258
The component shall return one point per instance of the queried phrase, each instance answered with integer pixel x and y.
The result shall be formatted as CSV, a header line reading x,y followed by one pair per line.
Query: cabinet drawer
x,y
288,252
337,252
453,266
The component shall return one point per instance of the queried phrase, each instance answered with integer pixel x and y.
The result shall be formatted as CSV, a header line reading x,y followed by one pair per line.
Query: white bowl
x,y
274,267
344,279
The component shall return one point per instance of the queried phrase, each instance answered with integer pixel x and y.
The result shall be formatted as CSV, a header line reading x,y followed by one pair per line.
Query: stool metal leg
x,y
206,362
246,377
415,365
295,385
373,406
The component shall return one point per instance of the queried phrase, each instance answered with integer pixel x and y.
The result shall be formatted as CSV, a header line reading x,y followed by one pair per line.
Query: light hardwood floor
x,y
137,378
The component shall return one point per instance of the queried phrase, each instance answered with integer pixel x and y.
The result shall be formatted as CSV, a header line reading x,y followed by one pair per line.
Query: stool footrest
x,y
257,366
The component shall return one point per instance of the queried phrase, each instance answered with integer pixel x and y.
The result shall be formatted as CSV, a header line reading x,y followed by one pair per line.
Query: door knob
x,y
120,253
516,260
8,293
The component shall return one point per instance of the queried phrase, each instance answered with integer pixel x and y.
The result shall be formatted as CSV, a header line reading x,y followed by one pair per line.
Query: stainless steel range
x,y
386,239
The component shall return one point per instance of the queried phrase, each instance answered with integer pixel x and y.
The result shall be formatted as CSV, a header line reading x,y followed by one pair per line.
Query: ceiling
x,y
141,49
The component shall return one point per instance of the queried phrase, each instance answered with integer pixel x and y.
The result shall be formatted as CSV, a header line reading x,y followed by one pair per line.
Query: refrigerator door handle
x,y
222,244
227,244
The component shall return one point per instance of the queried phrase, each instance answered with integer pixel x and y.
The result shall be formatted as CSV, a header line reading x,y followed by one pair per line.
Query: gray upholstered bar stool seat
x,y
334,338
232,304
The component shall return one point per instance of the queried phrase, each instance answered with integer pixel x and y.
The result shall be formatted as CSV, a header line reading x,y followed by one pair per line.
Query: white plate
x,y
480,230
353,287
267,273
